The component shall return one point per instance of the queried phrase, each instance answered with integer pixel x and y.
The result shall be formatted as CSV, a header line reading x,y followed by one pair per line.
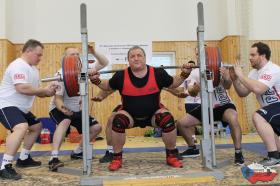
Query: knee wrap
x,y
165,121
120,123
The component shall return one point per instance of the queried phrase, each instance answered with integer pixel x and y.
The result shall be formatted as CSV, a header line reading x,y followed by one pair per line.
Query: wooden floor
x,y
143,168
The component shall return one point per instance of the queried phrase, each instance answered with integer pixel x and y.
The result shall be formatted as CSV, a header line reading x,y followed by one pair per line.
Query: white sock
x,y
78,150
54,154
193,136
7,159
238,151
110,149
24,154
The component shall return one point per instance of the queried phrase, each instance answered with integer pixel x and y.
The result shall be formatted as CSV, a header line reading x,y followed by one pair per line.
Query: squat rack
x,y
206,84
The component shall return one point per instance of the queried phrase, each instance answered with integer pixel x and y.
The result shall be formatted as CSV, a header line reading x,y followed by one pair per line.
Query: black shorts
x,y
11,116
142,122
76,119
190,106
117,108
138,122
218,112
271,114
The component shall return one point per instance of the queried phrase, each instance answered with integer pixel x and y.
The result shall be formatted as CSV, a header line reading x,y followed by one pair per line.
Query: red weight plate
x,y
215,67
70,70
213,63
207,57
219,63
209,61
212,54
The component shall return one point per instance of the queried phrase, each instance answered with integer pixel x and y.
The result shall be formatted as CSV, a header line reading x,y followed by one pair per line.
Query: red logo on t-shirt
x,y
19,77
266,77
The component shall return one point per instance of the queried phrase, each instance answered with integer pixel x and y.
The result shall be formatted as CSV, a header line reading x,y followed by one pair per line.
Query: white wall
x,y
21,20
134,20
231,18
113,20
265,20
2,19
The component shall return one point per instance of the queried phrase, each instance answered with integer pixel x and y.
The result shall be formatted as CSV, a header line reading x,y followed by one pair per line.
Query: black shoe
x,y
29,162
238,159
98,138
270,162
9,173
108,157
178,155
54,164
190,153
76,156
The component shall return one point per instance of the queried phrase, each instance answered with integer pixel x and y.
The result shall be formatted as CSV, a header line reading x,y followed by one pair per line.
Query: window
x,y
164,59
107,75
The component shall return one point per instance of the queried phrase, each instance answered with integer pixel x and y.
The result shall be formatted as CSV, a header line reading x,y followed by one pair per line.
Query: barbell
x,y
71,67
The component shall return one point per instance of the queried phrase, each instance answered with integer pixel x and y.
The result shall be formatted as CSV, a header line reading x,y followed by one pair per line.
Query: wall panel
x,y
7,54
230,48
184,51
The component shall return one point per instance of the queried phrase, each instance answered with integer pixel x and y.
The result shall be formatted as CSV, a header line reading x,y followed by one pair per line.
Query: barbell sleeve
x,y
55,78
231,65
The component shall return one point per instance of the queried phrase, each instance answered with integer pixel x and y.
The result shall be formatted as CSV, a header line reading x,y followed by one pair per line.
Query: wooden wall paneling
x,y
3,61
230,48
275,51
3,64
7,55
184,50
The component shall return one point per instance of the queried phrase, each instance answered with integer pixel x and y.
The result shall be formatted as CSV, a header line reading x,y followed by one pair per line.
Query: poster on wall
x,y
116,52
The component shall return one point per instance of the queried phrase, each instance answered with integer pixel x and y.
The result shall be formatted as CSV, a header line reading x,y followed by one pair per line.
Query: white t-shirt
x,y
193,77
96,66
270,76
72,103
19,71
220,94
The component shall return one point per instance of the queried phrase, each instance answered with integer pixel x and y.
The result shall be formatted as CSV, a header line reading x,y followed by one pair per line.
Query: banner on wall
x,y
116,52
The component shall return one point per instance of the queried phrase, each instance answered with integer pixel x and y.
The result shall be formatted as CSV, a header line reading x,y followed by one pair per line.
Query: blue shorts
x,y
11,116
271,113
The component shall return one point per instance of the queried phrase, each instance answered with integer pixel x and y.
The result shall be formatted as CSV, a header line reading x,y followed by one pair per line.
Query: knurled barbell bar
x,y
71,69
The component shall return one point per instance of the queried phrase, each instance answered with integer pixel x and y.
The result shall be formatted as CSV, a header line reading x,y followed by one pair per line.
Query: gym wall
x,y
184,50
171,25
